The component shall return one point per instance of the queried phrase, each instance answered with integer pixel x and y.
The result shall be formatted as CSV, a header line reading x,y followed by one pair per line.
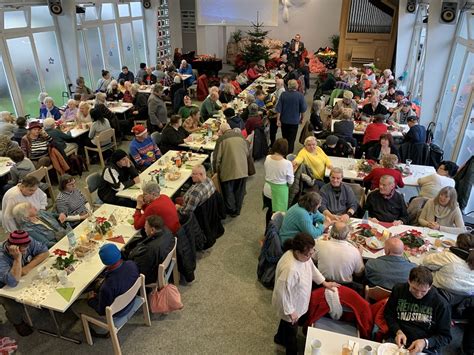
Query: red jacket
x,y
318,307
163,207
374,131
377,173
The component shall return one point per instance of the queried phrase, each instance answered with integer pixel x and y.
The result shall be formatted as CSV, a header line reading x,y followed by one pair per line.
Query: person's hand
x,y
278,123
433,225
62,217
417,346
84,215
401,338
397,223
331,285
294,318
136,179
14,251
344,218
135,112
140,201
374,220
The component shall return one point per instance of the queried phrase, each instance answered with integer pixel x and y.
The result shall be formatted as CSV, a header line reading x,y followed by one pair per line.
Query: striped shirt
x,y
39,148
197,195
71,203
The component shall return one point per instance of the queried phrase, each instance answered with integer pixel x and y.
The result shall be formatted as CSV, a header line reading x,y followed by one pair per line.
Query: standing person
x,y
278,176
141,74
230,163
295,273
157,114
290,113
296,50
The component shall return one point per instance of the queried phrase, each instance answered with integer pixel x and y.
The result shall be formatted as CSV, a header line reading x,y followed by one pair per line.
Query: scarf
x,y
441,212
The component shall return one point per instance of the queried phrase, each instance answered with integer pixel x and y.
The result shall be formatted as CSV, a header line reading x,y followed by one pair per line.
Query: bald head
x,y
340,231
393,246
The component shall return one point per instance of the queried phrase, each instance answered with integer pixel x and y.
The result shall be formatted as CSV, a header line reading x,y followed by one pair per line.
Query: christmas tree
x,y
256,50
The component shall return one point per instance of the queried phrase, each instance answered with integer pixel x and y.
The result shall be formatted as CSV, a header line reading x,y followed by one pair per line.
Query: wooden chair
x,y
359,193
92,184
376,293
114,324
168,266
42,173
104,136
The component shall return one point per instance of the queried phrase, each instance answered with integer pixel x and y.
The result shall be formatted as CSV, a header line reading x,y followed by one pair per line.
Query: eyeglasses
x,y
71,183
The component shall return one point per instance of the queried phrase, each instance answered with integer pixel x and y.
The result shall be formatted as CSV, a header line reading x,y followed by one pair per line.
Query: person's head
x,y
391,89
121,82
153,225
302,245
195,114
140,132
34,129
100,98
229,89
374,100
120,158
249,99
310,144
399,95
279,83
151,191
347,97
184,64
389,161
23,212
214,96
142,65
347,114
67,183
6,116
259,94
280,146
386,140
177,79
158,89
317,106
465,241
297,37
253,109
412,121
406,106
337,72
77,97
198,174
19,238
125,69
394,246
49,102
105,74
379,118
72,104
445,168
224,127
80,81
387,73
42,95
84,108
49,123
229,112
331,141
21,122
214,89
420,281
386,185
148,70
113,85
225,79
187,101
134,89
292,85
339,231
128,86
96,115
447,197
310,201
109,254
16,155
175,121
336,176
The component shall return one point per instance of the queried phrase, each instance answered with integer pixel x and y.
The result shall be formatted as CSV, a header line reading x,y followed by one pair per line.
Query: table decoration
x,y
365,166
63,263
102,228
66,292
414,242
117,239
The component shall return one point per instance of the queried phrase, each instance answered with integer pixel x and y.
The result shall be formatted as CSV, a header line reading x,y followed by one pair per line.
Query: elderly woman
x,y
193,122
184,111
83,114
6,145
254,119
173,135
385,146
113,93
304,217
103,82
83,90
35,145
249,99
443,213
278,177
389,167
43,226
49,110
314,157
227,94
127,92
345,127
7,124
294,276
186,69
71,202
62,141
386,77
315,117
71,111
453,269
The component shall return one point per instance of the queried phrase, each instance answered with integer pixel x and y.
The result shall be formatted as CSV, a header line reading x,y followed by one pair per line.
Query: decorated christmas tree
x,y
256,50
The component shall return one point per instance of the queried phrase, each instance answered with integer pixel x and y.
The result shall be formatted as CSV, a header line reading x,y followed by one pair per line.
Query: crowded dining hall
x,y
193,177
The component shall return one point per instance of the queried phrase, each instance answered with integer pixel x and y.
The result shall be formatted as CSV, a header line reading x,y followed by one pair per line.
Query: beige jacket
x,y
230,156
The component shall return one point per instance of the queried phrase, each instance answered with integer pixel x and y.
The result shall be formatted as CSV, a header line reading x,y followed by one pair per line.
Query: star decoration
x,y
51,60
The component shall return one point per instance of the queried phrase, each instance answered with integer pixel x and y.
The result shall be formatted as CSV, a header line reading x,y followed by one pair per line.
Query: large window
x,y
6,103
111,49
127,46
94,48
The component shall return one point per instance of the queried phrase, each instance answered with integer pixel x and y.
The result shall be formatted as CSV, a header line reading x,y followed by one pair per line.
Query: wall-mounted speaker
x,y
146,4
448,12
411,6
55,7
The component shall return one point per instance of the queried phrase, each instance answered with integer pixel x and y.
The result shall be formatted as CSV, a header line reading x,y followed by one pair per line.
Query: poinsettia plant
x,y
102,225
63,263
366,165
412,238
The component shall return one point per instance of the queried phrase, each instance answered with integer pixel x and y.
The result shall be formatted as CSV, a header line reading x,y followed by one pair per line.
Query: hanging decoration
x,y
51,60
289,3
129,48
111,54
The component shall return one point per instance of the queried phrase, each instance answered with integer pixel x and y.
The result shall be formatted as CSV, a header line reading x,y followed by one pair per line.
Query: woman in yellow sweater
x,y
314,157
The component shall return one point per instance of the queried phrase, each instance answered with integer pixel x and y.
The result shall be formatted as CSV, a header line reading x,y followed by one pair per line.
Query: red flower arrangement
x,y
59,252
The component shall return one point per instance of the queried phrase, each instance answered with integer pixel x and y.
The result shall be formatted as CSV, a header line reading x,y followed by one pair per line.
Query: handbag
x,y
166,300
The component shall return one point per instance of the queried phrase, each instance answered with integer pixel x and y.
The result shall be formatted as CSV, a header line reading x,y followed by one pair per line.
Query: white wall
x,y
174,8
406,23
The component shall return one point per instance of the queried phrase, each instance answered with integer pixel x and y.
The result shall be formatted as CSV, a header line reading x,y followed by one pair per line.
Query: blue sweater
x,y
290,105
297,219
54,113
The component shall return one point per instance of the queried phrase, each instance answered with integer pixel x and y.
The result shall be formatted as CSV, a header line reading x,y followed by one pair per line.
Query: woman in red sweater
x,y
375,129
389,167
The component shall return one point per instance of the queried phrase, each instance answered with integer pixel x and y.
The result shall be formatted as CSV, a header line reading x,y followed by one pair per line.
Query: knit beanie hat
x,y
109,254
19,237
117,155
331,140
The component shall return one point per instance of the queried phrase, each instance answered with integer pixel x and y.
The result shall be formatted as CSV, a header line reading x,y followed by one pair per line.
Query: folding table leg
x,y
58,330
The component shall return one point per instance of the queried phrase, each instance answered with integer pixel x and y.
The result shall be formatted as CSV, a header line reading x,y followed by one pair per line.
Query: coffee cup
x,y
315,347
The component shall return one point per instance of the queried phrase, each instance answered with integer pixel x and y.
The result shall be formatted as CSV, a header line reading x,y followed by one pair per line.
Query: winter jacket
x,y
187,235
122,178
260,143
298,186
209,215
20,170
230,156
464,181
41,233
171,138
270,254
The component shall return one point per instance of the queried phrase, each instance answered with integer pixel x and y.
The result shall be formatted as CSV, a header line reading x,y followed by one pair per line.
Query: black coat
x,y
209,215
106,190
374,152
270,254
188,236
172,138
140,104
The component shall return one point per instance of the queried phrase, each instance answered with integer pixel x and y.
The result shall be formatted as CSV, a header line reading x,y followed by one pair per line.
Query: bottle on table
x,y
365,219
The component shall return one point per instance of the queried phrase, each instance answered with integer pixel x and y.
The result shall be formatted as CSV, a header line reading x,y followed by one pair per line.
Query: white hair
x,y
100,97
21,212
48,99
4,115
292,85
72,101
151,187
310,139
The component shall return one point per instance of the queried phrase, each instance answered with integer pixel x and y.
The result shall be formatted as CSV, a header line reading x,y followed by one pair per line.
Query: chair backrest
x,y
124,299
106,136
92,182
376,293
166,267
277,218
359,193
40,173
156,136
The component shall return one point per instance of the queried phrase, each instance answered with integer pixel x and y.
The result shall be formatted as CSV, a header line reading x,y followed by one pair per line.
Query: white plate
x,y
374,243
389,349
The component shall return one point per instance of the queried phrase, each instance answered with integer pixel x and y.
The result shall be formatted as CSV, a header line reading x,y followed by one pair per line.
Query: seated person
x,y
417,133
209,106
417,316
385,146
7,145
35,144
117,175
234,121
126,75
254,119
314,157
99,124
374,107
81,89
453,269
49,109
315,117
346,103
345,127
389,167
348,261
148,78
185,111
63,141
193,122
20,130
430,185
400,115
43,226
23,166
338,200
151,250
385,204
253,72
337,147
173,135
304,217
143,149
83,115
7,124
390,269
19,254
227,94
119,277
249,99
390,94
141,73
443,213
375,129
70,113
186,68
113,92
153,203
71,201
260,98
201,190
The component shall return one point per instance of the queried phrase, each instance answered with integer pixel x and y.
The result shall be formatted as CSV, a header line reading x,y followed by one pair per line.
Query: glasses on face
x,y
71,183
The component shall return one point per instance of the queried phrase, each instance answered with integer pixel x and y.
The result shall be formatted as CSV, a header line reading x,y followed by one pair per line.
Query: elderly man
x,y
290,113
157,113
400,115
346,102
142,148
19,254
374,107
337,259
203,188
338,200
209,106
151,202
417,315
389,269
417,133
26,191
385,204
230,162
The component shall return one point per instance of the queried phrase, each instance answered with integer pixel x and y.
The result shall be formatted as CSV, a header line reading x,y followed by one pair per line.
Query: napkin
x,y
66,292
117,239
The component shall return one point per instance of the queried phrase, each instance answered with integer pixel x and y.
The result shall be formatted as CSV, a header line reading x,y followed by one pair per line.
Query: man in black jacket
x,y
417,315
417,133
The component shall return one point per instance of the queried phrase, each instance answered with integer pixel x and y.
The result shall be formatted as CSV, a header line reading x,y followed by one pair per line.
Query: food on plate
x,y
173,176
374,243
447,243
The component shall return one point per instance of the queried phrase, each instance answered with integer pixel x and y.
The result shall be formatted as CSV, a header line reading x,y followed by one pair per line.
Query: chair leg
x,y
87,158
87,331
101,157
115,343
146,312
175,274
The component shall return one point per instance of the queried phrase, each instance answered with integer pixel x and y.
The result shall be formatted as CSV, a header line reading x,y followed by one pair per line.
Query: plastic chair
x,y
168,266
376,293
40,174
359,193
104,136
156,137
113,325
92,184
